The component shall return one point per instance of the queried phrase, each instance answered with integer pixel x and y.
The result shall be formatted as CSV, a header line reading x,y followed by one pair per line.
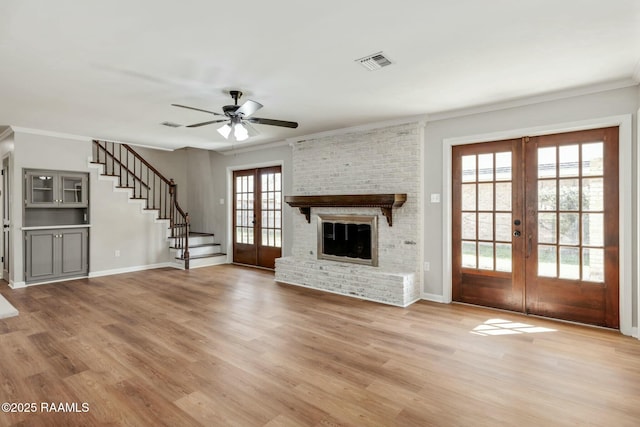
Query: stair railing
x,y
147,183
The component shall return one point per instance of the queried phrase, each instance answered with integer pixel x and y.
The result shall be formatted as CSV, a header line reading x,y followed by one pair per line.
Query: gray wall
x,y
116,224
172,165
208,178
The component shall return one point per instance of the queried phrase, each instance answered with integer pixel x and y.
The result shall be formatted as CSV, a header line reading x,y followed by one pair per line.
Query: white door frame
x,y
625,190
6,200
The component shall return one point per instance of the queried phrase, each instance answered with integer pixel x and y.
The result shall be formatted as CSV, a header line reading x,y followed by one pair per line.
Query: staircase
x,y
132,172
203,250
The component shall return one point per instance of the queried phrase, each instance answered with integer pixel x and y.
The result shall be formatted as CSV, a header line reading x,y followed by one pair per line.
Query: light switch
x,y
435,197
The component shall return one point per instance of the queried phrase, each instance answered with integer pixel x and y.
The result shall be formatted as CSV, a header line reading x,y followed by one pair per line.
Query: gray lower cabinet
x,y
56,253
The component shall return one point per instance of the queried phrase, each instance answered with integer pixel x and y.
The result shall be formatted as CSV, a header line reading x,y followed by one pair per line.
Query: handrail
x,y
147,164
120,164
160,193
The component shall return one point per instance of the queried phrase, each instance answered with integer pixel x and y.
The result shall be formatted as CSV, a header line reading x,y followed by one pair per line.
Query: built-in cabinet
x,y
56,253
55,225
55,189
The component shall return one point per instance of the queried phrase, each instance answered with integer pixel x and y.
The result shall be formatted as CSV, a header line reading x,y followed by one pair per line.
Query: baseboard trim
x,y
128,269
46,282
433,298
634,333
17,285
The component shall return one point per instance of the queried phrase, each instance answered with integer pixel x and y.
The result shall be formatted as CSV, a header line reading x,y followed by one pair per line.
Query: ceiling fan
x,y
238,118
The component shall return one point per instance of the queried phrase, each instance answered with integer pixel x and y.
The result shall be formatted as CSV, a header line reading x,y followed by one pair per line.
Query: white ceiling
x,y
111,69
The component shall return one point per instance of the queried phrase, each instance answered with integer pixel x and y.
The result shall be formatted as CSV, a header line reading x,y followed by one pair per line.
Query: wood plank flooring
x,y
227,346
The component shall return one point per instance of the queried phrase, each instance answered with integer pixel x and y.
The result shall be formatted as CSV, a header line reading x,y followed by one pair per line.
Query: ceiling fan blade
x,y
272,122
248,108
197,109
207,123
250,129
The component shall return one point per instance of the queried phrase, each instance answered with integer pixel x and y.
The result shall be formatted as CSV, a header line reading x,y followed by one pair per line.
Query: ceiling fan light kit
x,y
238,118
225,131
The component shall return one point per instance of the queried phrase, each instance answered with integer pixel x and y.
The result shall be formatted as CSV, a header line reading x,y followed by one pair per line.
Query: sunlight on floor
x,y
505,327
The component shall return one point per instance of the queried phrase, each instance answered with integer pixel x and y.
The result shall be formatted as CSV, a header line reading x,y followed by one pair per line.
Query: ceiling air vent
x,y
170,124
374,62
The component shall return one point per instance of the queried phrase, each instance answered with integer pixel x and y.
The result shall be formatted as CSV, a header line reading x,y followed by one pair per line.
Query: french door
x,y
535,225
257,216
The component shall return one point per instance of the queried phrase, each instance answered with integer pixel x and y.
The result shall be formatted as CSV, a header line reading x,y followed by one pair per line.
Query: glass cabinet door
x,y
56,189
72,189
41,189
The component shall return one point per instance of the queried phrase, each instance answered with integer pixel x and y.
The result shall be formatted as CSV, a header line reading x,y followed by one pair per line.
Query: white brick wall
x,y
377,161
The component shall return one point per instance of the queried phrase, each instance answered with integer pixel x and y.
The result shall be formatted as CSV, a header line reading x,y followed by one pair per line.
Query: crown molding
x,y
537,99
419,120
73,137
6,133
52,134
135,144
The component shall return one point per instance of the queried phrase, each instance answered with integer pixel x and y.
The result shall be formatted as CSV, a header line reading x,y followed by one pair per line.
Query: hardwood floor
x,y
226,345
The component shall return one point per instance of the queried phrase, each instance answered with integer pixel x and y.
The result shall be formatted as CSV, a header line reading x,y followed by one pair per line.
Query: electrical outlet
x,y
117,252
427,266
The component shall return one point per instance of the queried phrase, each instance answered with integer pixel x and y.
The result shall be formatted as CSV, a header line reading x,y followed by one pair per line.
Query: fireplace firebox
x,y
348,238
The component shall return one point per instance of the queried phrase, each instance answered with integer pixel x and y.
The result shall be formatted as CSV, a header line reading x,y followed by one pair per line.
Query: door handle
x,y
529,245
516,233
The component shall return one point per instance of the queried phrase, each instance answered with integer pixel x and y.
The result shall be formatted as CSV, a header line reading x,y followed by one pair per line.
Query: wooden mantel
x,y
383,201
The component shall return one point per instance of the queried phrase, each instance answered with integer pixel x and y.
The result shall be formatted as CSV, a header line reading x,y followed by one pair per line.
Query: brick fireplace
x,y
385,160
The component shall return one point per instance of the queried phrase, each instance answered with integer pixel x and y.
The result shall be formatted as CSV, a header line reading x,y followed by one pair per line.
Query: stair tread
x,y
197,233
194,234
203,245
203,256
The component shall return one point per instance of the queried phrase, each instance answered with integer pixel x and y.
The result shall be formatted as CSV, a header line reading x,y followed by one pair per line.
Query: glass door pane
x,y
571,211
486,211
271,207
71,189
245,216
42,188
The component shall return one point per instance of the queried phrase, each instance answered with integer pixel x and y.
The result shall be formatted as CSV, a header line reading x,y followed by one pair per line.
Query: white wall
x,y
509,122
